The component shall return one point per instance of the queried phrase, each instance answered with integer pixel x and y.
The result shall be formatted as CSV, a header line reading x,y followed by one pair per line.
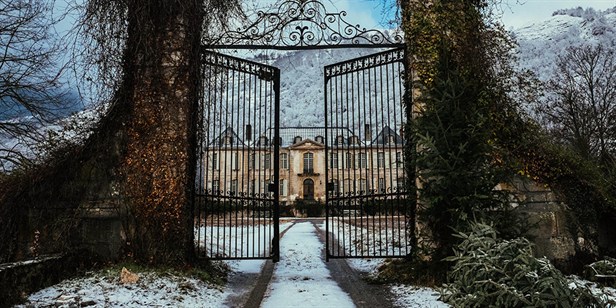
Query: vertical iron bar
x,y
234,173
276,238
327,179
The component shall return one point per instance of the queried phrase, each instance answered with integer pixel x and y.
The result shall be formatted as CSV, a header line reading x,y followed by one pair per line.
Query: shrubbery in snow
x,y
489,271
606,267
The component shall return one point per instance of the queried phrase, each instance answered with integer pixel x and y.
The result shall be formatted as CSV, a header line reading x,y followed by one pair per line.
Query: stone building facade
x,y
236,167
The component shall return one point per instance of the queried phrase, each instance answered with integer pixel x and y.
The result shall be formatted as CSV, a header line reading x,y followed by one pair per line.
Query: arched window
x,y
297,139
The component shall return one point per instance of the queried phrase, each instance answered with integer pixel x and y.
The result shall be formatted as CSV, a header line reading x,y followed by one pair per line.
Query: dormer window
x,y
228,140
297,139
353,140
263,141
339,140
319,139
391,139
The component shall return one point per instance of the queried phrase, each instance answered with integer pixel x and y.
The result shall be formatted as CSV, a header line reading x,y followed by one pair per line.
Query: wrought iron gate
x,y
236,200
366,208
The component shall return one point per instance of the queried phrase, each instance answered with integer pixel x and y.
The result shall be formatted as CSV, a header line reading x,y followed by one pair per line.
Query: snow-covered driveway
x,y
301,278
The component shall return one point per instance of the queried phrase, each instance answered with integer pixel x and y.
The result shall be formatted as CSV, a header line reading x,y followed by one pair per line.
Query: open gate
x,y
366,208
237,180
236,200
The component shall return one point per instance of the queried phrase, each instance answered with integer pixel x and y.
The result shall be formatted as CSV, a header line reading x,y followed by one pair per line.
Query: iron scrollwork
x,y
366,62
298,24
264,72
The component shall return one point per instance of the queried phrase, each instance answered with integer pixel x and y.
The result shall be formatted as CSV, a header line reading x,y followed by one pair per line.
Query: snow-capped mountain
x,y
301,83
541,42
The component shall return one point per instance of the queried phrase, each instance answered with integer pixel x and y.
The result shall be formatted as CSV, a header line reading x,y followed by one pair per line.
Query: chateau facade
x,y
357,166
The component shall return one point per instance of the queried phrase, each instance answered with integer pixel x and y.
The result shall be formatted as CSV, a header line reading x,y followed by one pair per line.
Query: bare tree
x,y
29,79
581,106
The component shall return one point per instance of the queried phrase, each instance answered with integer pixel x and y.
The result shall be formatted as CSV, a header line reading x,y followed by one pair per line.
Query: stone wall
x,y
20,278
93,232
546,217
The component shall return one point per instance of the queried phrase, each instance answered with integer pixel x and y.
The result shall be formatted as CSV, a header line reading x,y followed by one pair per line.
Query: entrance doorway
x,y
308,189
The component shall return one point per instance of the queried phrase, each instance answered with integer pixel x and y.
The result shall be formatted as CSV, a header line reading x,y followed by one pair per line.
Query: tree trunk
x,y
161,74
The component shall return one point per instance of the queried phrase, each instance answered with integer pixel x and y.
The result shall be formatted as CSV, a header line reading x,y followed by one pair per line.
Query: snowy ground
x,y
151,290
300,279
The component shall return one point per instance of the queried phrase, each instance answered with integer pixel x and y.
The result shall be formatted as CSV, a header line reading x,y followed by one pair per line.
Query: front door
x,y
308,189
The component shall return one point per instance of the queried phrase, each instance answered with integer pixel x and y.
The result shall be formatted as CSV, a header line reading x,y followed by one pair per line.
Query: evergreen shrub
x,y
489,271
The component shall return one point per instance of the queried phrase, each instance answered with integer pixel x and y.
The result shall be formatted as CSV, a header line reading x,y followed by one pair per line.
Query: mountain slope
x,y
540,43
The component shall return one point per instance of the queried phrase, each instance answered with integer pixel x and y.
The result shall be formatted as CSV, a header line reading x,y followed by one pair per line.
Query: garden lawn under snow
x,y
152,289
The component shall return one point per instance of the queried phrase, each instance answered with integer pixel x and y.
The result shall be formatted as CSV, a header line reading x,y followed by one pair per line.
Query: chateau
x,y
358,165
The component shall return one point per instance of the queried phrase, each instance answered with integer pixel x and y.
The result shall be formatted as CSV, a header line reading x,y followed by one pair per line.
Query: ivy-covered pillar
x,y
452,116
161,78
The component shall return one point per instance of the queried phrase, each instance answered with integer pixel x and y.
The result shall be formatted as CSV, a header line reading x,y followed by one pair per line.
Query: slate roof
x,y
288,135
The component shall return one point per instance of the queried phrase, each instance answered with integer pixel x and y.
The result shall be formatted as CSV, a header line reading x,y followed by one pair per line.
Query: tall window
x,y
380,160
349,161
284,161
235,161
308,163
215,161
215,187
363,188
333,162
282,188
335,187
381,185
233,187
347,186
398,157
363,160
252,160
267,161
